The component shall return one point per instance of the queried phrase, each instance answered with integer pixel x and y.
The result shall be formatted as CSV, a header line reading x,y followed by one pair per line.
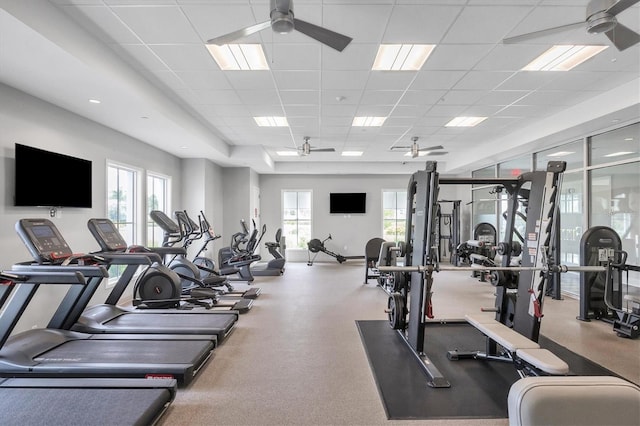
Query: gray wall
x,y
30,121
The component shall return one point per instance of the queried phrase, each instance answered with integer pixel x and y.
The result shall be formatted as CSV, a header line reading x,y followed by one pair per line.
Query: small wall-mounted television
x,y
50,179
347,202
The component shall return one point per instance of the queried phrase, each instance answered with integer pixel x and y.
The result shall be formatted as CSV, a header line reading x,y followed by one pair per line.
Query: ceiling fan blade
x,y
620,6
244,32
437,153
323,149
528,36
400,147
622,37
431,148
323,35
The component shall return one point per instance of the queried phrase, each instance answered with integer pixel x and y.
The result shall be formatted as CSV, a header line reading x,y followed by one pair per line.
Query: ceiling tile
x,y
185,57
297,80
158,24
509,57
528,80
214,20
390,80
340,97
343,110
291,56
462,97
422,97
502,97
300,97
484,24
258,97
218,97
482,80
348,80
429,80
363,24
250,80
302,111
356,56
456,56
381,97
211,79
432,20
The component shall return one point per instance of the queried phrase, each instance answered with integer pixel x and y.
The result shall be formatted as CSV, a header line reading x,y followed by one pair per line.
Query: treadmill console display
x,y
43,240
107,235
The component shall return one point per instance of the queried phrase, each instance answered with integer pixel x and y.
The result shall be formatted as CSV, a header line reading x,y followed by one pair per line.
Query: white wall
x,y
202,189
30,121
350,233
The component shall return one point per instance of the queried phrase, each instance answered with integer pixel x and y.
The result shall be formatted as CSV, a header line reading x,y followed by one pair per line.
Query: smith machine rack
x,y
520,291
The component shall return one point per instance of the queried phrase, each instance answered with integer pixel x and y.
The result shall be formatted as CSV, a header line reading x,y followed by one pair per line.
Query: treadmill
x,y
103,401
73,314
54,353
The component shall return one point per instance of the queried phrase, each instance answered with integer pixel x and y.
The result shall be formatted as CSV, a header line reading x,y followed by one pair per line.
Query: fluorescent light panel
x,y
618,154
560,154
401,57
465,121
287,153
242,57
563,57
271,121
368,121
351,153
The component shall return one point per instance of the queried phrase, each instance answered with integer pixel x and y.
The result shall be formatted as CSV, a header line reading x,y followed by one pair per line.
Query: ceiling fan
x,y
600,18
415,149
306,148
283,21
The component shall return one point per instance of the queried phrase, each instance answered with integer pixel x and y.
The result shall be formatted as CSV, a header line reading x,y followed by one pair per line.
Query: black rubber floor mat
x,y
478,389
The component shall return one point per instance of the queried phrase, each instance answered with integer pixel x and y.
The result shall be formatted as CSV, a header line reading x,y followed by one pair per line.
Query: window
x,y
157,199
121,200
394,215
121,207
296,218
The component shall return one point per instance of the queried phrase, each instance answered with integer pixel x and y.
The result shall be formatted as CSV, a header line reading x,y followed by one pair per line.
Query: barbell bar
x,y
437,268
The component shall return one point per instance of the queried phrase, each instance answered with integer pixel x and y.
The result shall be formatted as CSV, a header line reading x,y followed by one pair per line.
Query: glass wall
x,y
600,187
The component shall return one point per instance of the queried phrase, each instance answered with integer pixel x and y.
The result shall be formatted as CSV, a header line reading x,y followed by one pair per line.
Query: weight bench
x,y
573,400
526,354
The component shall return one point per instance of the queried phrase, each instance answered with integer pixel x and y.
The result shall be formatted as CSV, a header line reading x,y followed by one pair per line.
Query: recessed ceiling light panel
x,y
401,57
368,121
563,57
351,153
465,121
239,57
271,121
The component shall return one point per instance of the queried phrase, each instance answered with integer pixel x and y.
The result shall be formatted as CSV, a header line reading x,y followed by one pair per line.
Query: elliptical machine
x,y
238,257
187,270
192,232
275,266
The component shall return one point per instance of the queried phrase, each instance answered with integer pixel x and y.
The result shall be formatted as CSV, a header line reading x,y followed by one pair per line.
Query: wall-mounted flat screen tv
x,y
49,179
347,202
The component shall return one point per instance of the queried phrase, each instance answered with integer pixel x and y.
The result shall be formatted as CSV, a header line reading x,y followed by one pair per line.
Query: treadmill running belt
x,y
85,407
173,321
126,352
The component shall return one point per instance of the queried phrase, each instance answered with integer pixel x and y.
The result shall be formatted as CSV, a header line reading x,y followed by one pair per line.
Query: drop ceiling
x,y
146,61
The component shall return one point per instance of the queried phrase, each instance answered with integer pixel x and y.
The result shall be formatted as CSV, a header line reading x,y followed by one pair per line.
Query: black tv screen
x,y
49,179
347,202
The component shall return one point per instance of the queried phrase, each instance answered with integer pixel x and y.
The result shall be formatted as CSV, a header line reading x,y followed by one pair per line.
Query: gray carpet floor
x,y
297,357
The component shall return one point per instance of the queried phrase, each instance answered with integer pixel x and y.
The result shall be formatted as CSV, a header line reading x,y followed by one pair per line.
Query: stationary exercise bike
x,y
316,246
